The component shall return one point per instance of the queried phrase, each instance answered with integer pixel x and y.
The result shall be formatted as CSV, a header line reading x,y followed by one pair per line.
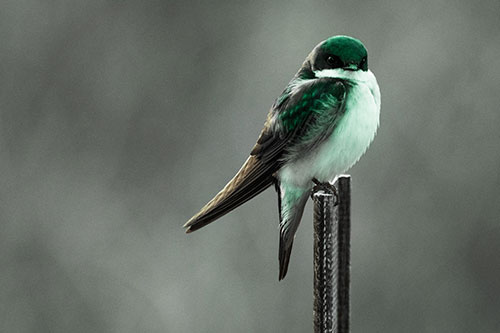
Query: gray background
x,y
120,119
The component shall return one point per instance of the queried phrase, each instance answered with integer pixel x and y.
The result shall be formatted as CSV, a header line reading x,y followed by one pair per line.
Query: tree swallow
x,y
319,126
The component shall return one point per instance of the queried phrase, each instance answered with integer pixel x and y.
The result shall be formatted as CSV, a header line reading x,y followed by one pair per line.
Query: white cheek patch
x,y
334,73
339,73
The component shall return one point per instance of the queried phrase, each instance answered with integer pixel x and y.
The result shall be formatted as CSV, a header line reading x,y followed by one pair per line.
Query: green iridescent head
x,y
339,52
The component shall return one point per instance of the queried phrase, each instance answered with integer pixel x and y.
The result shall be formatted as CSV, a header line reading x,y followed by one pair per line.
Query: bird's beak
x,y
351,67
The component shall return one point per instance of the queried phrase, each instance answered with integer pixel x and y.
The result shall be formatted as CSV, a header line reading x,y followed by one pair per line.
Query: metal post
x,y
332,231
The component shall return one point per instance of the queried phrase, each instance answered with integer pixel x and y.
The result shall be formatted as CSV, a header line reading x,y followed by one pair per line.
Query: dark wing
x,y
284,122
253,178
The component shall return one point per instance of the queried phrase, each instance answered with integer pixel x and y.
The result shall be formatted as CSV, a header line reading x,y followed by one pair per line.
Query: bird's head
x,y
336,52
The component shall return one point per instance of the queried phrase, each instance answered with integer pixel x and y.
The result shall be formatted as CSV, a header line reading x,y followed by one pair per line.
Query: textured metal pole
x,y
332,231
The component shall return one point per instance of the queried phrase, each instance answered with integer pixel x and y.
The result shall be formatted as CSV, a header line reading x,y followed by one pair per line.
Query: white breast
x,y
351,137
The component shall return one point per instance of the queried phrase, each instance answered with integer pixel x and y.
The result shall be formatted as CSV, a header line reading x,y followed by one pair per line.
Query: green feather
x,y
294,115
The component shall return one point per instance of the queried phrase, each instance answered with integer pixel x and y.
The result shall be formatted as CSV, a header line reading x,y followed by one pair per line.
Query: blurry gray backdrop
x,y
120,119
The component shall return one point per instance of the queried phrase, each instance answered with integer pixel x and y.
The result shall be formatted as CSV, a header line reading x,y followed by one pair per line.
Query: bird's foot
x,y
326,187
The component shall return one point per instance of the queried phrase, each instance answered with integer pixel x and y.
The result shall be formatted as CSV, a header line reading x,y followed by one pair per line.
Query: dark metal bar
x,y
332,230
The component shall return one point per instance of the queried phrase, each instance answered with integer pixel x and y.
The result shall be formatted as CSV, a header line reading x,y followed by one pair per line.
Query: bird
x,y
317,128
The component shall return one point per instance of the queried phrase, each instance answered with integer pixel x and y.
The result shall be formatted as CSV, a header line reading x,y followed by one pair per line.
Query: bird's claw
x,y
326,187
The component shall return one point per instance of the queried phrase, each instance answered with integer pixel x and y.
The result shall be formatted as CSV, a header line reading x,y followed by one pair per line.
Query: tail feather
x,y
284,258
292,202
253,178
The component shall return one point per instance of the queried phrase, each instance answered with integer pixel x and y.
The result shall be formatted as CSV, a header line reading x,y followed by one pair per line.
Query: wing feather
x,y
290,116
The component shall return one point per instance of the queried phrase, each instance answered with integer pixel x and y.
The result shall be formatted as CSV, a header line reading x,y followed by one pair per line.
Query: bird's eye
x,y
362,64
333,61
